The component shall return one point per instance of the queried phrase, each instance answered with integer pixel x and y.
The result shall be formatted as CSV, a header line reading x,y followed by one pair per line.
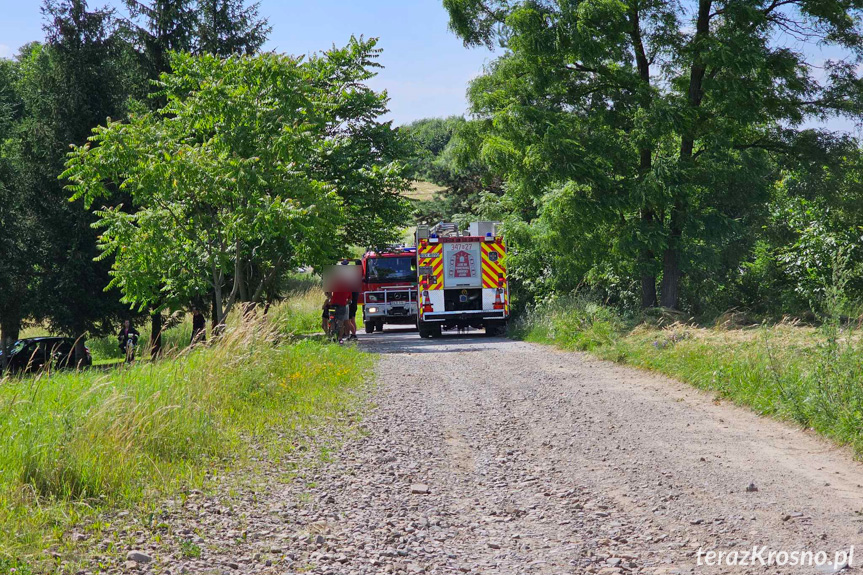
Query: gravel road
x,y
486,455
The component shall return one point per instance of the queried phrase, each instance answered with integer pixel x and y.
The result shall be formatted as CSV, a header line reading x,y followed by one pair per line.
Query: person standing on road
x,y
352,314
325,315
199,327
341,300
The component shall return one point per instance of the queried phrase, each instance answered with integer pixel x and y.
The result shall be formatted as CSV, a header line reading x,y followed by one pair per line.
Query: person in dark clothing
x,y
126,332
199,327
325,313
352,315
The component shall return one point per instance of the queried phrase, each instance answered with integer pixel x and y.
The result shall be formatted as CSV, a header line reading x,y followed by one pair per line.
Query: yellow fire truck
x,y
462,278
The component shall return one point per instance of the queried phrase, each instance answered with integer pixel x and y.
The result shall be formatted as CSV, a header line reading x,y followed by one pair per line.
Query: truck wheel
x,y
425,330
495,329
436,330
370,327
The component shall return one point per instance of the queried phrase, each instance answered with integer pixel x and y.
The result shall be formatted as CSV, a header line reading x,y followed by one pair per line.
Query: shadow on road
x,y
407,340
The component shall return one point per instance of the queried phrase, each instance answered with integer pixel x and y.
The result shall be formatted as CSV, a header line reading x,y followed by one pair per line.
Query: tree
x,y
430,137
256,165
17,227
443,156
69,85
162,27
227,27
656,120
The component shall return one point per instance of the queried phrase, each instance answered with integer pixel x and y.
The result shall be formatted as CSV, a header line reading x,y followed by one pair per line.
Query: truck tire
x,y
370,326
426,329
495,329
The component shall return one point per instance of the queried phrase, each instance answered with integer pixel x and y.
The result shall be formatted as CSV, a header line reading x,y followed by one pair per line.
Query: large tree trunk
x,y
670,279
214,313
648,289
156,324
80,346
671,272
646,257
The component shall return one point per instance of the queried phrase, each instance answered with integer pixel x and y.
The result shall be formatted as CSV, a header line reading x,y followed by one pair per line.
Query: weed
x,y
189,550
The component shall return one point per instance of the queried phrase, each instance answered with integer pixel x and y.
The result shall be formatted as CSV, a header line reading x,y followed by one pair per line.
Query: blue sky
x,y
427,67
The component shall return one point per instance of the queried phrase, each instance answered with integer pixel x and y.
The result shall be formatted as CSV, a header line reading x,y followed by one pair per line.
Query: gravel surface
x,y
485,455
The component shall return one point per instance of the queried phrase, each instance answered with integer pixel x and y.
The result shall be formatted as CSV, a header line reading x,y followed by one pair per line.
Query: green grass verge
x,y
813,377
75,444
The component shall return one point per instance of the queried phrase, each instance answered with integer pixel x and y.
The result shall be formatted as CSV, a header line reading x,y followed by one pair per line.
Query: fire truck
x,y
389,288
462,278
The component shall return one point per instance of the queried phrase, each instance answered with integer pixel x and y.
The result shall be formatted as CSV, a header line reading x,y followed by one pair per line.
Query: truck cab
x,y
389,288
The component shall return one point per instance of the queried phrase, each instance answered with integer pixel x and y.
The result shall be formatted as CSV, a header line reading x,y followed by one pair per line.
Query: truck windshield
x,y
379,270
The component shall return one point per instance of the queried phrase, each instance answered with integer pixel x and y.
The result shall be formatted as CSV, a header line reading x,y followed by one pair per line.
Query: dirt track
x,y
539,461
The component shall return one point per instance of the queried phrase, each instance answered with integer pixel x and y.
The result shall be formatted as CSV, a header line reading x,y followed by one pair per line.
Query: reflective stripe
x,y
432,256
493,270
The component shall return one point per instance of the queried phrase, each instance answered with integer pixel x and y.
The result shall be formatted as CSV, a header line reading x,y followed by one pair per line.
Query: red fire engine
x,y
389,288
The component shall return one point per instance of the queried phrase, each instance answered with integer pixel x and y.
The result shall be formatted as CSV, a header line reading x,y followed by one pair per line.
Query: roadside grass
x,y
299,314
76,444
811,376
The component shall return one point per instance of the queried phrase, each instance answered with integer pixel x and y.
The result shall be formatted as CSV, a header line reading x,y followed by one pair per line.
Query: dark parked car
x,y
36,353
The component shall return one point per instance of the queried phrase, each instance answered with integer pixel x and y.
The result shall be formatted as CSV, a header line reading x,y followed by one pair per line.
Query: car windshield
x,y
379,270
17,346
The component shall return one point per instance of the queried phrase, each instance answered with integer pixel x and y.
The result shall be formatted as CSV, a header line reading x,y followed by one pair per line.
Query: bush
x,y
572,323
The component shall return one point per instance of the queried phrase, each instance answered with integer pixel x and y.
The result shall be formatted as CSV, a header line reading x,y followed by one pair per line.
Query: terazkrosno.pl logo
x,y
761,556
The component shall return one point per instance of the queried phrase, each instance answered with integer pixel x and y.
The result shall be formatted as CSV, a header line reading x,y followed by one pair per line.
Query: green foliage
x,y
443,154
228,27
81,75
254,166
654,132
162,27
81,442
429,138
574,323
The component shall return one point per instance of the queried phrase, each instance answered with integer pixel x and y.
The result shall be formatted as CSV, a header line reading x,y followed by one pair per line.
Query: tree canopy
x,y
255,165
642,139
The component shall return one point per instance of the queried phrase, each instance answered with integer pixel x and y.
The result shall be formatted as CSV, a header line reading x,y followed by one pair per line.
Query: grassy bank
x,y
811,376
78,443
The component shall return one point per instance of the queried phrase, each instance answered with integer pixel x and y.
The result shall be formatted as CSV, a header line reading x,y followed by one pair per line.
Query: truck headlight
x,y
373,310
